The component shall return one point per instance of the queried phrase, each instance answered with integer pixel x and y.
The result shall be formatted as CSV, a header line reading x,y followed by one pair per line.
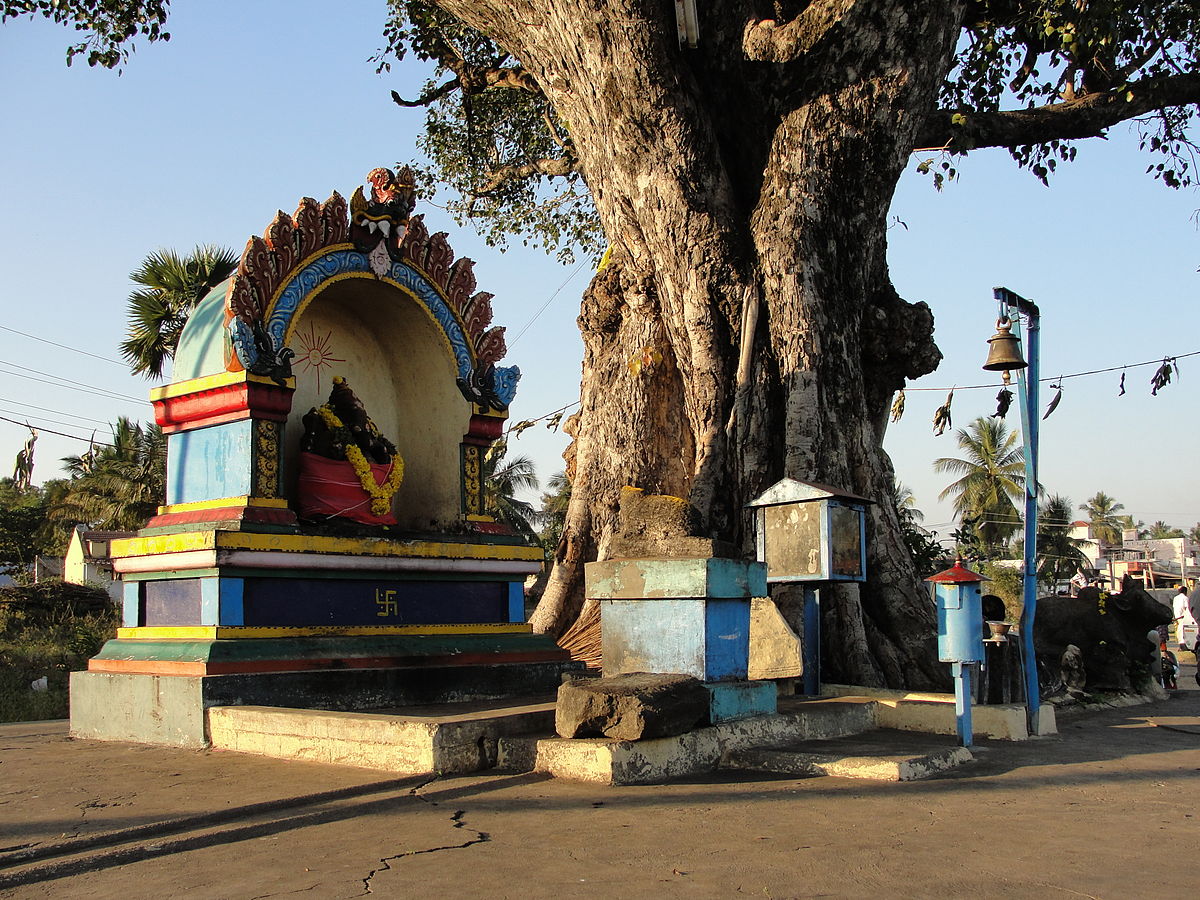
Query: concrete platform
x,y
881,755
446,739
606,761
934,713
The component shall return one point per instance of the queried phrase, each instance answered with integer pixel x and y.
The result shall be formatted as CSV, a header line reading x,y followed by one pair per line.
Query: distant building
x,y
88,560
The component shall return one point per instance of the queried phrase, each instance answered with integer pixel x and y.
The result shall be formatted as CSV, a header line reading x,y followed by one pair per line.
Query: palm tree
x,y
501,480
555,501
121,486
1059,556
170,286
906,502
992,479
1160,530
1194,534
1103,515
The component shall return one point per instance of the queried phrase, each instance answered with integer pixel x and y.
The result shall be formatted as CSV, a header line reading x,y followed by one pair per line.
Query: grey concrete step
x,y
608,761
880,755
446,739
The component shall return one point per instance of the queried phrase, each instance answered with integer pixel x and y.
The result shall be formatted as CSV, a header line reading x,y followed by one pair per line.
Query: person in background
x,y
1184,616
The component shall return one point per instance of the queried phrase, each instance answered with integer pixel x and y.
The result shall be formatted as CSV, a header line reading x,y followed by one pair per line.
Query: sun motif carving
x,y
315,352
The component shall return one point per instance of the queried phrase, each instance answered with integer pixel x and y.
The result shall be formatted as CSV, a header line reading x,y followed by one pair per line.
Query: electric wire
x,y
43,419
542,308
73,437
1055,378
65,383
64,346
59,412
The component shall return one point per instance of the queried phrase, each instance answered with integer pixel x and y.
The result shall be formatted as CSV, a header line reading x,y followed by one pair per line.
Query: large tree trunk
x,y
746,328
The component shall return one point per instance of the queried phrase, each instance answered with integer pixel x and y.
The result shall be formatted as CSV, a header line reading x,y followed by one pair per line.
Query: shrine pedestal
x,y
219,618
688,616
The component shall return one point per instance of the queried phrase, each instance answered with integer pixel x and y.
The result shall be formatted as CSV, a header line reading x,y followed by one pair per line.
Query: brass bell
x,y
1005,352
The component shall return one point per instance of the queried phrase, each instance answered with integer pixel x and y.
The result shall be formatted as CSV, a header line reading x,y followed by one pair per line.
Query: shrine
x,y
324,541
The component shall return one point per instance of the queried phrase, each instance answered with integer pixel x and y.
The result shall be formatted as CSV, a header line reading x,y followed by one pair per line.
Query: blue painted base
x,y
706,638
733,700
299,601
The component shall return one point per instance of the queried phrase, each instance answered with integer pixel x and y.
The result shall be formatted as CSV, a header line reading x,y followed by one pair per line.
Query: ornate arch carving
x,y
374,238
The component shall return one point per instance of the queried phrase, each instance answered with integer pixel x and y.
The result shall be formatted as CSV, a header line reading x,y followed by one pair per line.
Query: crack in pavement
x,y
481,837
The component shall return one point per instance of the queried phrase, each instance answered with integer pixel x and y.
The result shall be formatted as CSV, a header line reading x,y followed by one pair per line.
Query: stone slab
x,y
649,579
775,649
634,706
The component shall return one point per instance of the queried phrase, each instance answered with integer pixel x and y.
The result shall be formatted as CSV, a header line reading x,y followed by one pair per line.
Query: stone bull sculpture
x,y
1109,630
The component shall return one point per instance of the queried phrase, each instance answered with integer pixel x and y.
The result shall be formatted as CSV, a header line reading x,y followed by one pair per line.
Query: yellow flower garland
x,y
381,494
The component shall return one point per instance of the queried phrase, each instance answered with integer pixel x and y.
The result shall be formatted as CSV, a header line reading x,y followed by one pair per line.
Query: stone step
x,y
881,755
607,761
935,713
446,739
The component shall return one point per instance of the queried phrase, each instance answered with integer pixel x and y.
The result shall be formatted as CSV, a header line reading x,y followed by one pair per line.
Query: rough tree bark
x,y
746,327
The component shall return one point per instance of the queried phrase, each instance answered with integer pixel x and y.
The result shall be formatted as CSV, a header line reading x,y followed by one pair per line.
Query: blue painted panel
x,y
231,602
664,636
727,640
736,578
732,700
210,601
516,601
172,602
299,601
209,463
131,603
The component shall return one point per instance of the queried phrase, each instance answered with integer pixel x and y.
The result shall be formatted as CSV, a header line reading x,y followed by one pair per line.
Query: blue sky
x,y
254,105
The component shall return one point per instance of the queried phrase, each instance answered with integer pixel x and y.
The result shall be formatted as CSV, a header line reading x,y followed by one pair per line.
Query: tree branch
x,y
1085,117
765,40
431,96
551,166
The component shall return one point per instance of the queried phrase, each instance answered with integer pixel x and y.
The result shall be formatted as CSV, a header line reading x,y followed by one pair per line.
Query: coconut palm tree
x,y
1104,517
169,287
906,502
992,479
502,478
116,486
555,501
1160,530
1059,556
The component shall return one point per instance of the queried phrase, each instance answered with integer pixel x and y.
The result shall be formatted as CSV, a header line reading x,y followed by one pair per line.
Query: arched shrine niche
x,y
397,360
365,293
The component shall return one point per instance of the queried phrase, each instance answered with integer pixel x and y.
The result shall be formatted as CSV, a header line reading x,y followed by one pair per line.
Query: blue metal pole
x,y
1027,381
962,701
811,647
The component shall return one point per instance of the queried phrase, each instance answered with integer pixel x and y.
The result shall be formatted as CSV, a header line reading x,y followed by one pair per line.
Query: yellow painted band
x,y
474,518
234,632
300,543
209,383
223,503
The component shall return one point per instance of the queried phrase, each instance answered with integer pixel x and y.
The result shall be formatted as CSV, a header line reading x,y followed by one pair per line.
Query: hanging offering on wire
x,y
1003,402
941,416
1055,400
1161,377
898,406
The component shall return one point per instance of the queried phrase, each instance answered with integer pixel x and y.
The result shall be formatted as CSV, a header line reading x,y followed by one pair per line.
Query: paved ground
x,y
1104,811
